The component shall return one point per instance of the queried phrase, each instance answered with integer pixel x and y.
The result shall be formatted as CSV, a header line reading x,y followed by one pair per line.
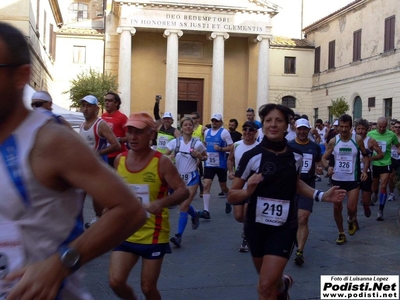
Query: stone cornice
x,y
260,7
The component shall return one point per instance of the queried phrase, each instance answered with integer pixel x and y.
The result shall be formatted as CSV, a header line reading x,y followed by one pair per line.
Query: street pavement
x,y
209,265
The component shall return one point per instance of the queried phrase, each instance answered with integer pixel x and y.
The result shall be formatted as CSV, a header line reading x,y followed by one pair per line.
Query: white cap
x,y
217,117
302,123
42,95
89,99
336,123
167,115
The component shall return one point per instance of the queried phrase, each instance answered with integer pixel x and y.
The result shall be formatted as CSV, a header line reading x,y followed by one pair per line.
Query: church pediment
x,y
230,5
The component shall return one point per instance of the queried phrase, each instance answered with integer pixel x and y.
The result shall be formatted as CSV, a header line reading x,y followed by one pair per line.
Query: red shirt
x,y
116,122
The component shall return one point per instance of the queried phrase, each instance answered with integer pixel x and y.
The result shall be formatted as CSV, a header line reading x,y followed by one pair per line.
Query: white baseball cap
x,y
217,117
90,99
336,123
167,115
302,123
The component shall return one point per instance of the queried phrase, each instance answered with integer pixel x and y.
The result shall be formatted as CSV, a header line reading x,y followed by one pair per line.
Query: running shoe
x,y
205,215
380,216
318,178
367,211
94,220
196,221
299,258
176,240
201,194
288,281
341,239
244,247
357,226
352,227
221,194
391,197
228,208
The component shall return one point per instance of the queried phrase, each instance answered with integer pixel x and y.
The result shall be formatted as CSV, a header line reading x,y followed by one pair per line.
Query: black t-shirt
x,y
280,173
236,136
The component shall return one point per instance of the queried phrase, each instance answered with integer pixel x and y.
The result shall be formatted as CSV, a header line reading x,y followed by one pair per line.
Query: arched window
x,y
289,101
357,108
77,12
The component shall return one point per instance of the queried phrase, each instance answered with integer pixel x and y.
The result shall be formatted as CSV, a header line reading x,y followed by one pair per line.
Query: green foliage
x,y
339,107
93,83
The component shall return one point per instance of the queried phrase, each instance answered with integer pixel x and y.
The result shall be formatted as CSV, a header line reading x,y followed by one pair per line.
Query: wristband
x,y
318,195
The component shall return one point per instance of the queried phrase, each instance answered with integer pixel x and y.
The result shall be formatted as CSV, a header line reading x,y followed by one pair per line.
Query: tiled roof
x,y
279,41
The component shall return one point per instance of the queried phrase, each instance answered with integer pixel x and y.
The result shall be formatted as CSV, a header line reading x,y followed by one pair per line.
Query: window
x,y
289,101
330,115
317,60
315,115
389,33
78,12
331,58
371,102
44,28
52,43
79,55
357,45
290,65
388,107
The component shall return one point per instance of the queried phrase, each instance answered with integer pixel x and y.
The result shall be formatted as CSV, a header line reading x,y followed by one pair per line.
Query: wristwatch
x,y
70,258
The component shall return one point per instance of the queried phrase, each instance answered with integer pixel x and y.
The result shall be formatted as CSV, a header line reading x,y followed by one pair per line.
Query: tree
x,y
93,83
339,107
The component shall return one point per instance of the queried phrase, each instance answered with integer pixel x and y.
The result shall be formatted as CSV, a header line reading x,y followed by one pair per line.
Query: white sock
x,y
206,201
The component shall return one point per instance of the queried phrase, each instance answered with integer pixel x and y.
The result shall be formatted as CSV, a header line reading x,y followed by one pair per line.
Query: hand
x,y
319,171
217,148
253,181
334,194
231,175
40,280
330,171
364,176
154,207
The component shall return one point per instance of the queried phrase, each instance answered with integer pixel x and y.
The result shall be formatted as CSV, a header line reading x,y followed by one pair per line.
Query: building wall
x,y
376,75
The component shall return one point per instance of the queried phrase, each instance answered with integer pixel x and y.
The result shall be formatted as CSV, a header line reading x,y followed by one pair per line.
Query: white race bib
x,y
142,193
382,145
187,177
272,212
307,162
212,159
162,142
344,164
395,153
11,254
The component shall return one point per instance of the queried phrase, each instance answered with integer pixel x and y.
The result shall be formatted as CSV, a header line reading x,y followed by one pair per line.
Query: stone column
x,y
263,70
171,83
125,67
217,85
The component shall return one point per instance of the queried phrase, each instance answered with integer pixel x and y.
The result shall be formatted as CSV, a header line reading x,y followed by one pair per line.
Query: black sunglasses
x,y
249,129
215,120
10,65
38,104
109,100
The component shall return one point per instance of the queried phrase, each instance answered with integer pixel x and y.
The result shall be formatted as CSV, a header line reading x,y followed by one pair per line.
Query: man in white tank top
x,y
346,147
44,167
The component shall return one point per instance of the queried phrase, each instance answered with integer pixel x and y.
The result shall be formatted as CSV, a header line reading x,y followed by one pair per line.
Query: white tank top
x,y
45,218
347,159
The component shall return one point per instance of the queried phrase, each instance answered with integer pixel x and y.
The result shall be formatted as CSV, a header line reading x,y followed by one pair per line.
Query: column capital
x,y
214,35
168,32
132,30
262,37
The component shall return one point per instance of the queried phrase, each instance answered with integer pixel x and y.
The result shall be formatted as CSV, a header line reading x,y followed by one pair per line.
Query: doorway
x,y
357,108
190,96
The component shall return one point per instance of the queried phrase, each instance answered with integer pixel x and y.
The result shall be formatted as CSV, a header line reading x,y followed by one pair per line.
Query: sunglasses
x,y
10,65
38,104
109,100
248,129
215,120
194,118
397,127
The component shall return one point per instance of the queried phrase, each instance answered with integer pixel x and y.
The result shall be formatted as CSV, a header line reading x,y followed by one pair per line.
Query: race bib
x,y
382,145
142,193
212,159
344,164
11,254
307,162
395,153
187,177
162,142
272,212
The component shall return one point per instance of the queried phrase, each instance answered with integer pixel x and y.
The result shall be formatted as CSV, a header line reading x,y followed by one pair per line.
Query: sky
x,y
287,22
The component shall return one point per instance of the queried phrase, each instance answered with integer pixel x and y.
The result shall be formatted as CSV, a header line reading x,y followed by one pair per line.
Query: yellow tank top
x,y
157,228
197,133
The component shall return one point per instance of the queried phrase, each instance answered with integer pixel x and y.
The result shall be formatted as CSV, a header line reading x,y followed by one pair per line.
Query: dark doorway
x,y
190,96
